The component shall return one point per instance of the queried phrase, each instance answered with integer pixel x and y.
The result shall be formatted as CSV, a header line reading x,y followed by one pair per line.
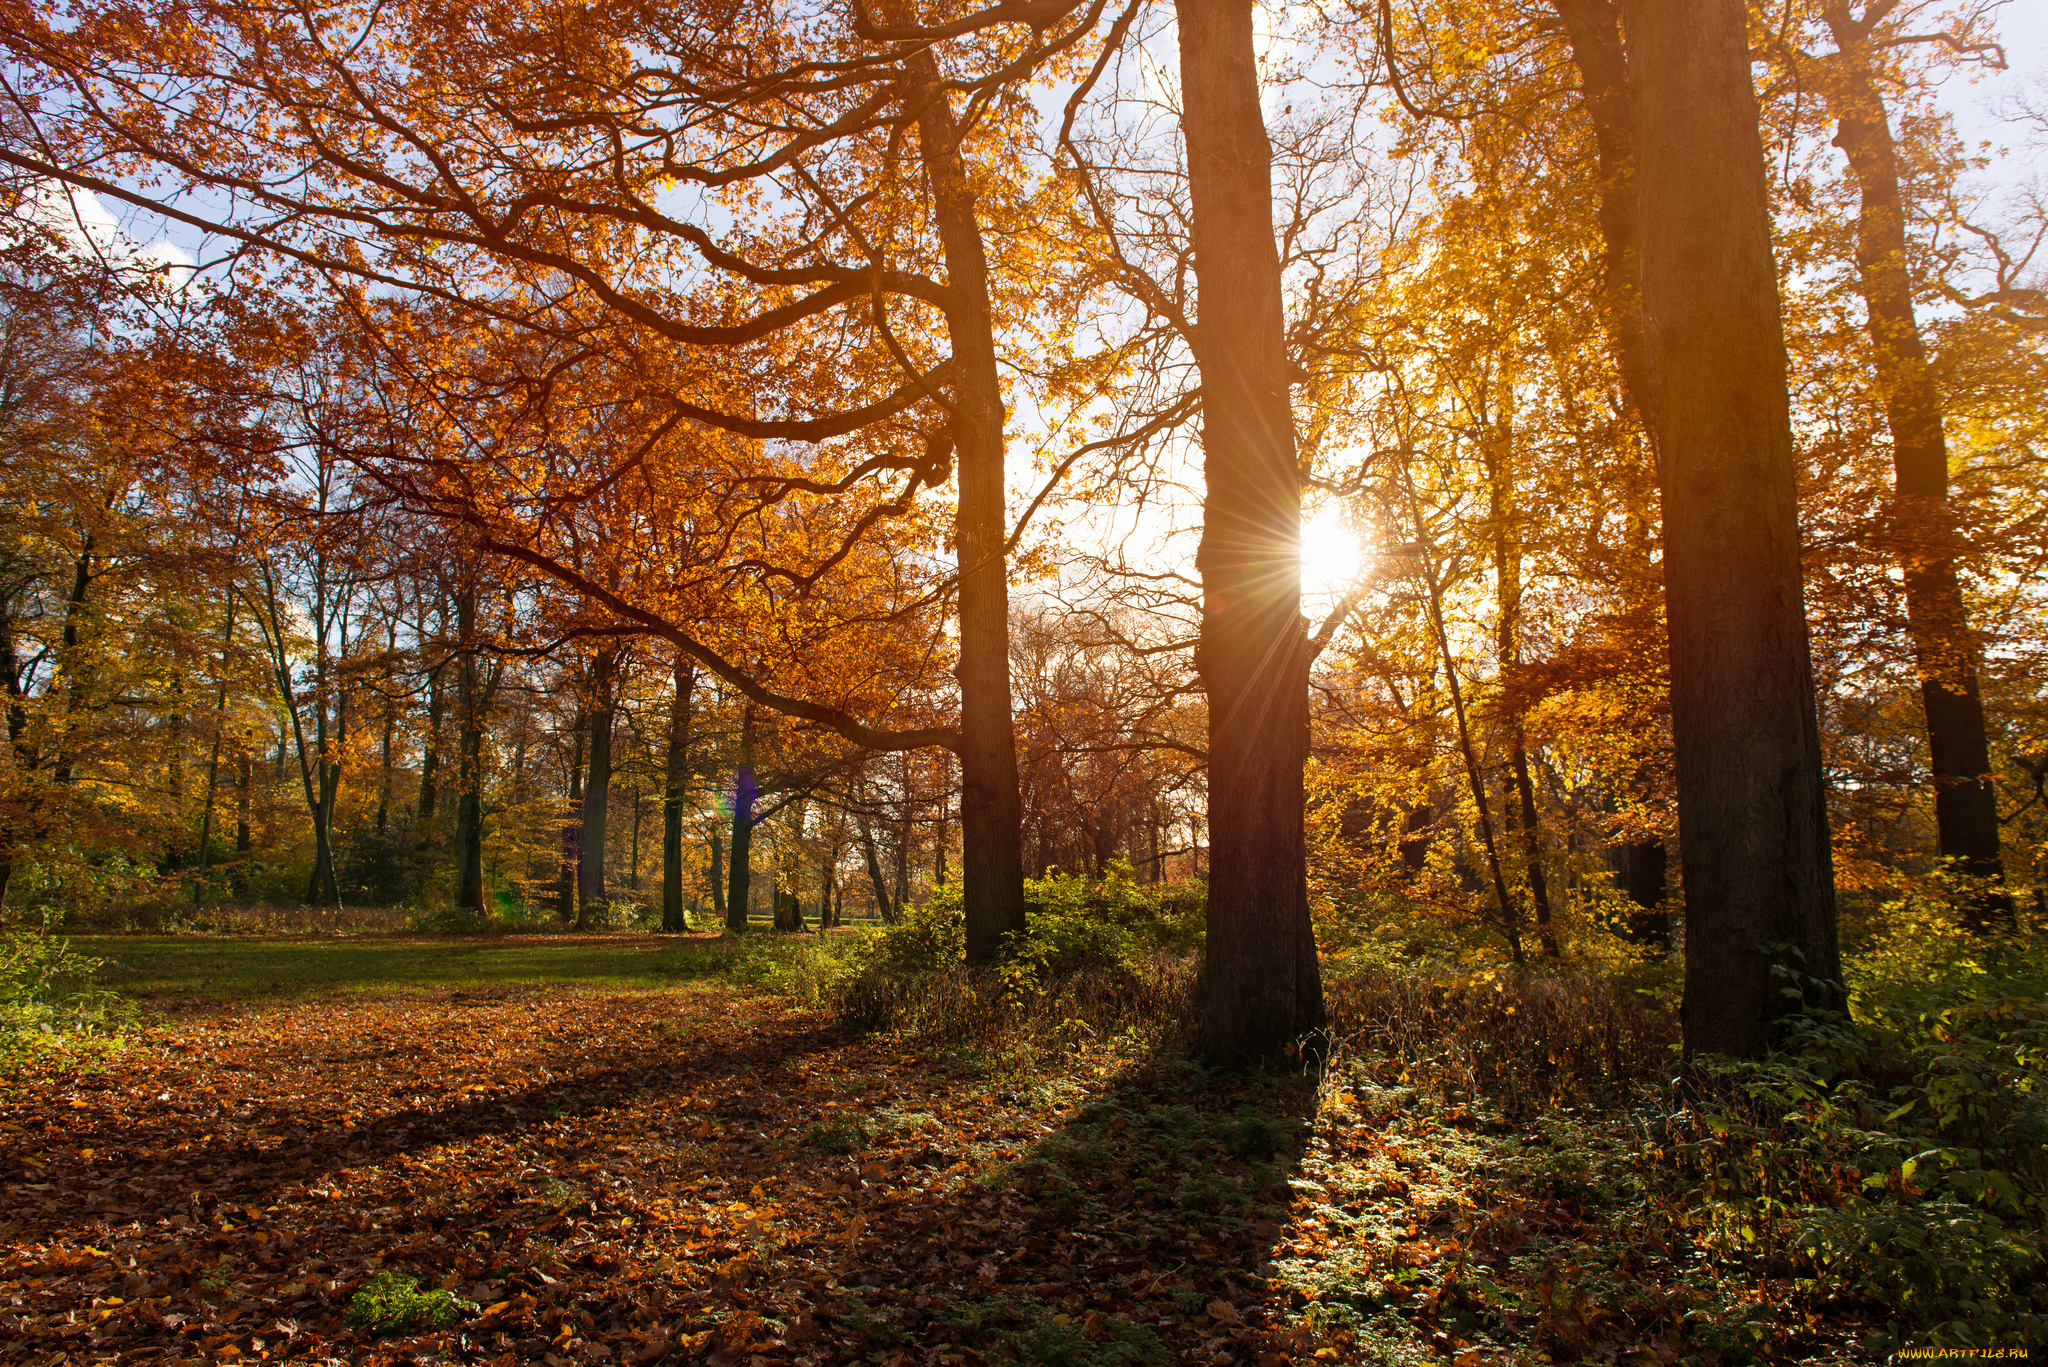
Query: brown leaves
x,y
610,1179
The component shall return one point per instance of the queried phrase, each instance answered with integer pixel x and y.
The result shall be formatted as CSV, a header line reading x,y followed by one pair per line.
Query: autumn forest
x,y
1059,681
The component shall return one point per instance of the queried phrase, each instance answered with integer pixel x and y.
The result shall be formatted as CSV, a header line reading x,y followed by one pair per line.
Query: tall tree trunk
x,y
991,810
1593,30
597,792
1752,809
384,771
430,758
244,803
718,877
828,883
1924,527
884,908
675,779
633,856
1262,984
72,663
572,827
472,701
1510,918
744,794
1650,922
174,767
220,705
1518,812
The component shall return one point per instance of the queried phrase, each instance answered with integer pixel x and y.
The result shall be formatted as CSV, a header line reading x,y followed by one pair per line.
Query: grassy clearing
x,y
170,967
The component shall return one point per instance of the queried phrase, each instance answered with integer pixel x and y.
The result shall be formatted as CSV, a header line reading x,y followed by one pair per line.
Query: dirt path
x,y
697,1175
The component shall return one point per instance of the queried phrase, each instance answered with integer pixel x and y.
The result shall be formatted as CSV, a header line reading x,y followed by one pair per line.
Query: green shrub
x,y
47,992
392,1303
1096,955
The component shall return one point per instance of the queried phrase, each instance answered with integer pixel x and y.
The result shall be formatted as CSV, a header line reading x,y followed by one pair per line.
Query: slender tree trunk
x,y
430,758
597,792
472,701
220,704
718,877
991,811
1593,29
884,908
1510,918
633,857
174,767
72,663
1924,527
828,883
1262,984
1753,823
244,803
675,779
744,794
1521,817
572,828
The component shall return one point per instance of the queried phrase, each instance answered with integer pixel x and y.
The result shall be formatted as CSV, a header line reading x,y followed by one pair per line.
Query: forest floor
x,y
596,1172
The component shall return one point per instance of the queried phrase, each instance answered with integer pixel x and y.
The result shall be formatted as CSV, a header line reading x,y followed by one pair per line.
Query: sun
x,y
1332,555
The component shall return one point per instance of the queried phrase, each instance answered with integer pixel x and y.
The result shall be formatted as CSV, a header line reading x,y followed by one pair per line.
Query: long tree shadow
x,y
775,1191
1138,1229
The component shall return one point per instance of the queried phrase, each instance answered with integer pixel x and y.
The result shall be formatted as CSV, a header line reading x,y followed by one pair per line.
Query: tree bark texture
x,y
1753,826
1262,986
991,810
1923,530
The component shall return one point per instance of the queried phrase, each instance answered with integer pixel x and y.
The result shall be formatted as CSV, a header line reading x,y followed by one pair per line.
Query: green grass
x,y
174,966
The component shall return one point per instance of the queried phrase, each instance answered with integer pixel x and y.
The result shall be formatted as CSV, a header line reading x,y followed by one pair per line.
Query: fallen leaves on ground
x,y
625,1179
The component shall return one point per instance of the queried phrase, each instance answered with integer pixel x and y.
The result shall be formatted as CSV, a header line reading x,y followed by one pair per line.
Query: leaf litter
x,y
540,1175
701,1176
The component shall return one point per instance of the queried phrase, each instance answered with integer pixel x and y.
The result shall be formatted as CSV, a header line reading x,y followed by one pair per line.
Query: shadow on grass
x,y
1137,1230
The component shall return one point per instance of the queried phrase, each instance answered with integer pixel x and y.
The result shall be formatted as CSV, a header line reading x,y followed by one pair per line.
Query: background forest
x,y
366,591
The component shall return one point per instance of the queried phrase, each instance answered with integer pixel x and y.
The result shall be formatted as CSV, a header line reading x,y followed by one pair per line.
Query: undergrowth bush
x,y
1896,1156
1519,1041
1885,1167
1097,956
47,993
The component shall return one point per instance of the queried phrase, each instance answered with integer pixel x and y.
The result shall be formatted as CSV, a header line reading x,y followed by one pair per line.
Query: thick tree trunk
x,y
744,793
991,811
1262,986
1924,527
675,779
1753,824
597,793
